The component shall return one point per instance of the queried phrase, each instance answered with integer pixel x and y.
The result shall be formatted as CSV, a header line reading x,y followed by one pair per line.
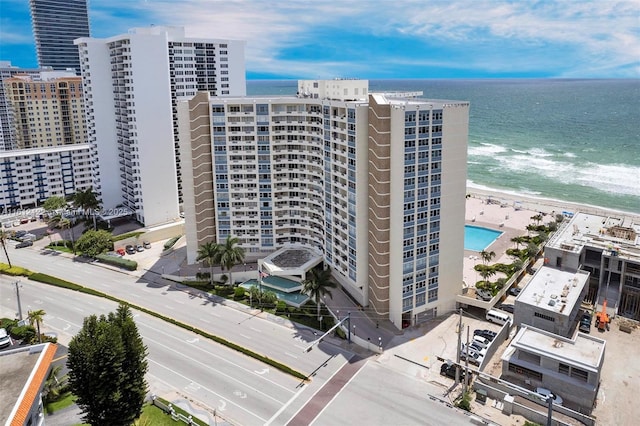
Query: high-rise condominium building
x,y
56,23
7,127
47,109
374,182
132,84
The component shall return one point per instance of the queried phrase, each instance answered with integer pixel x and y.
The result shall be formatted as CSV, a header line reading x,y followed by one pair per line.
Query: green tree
x,y
537,218
107,364
487,256
59,221
210,254
317,285
36,317
54,203
485,271
87,201
231,254
54,386
518,240
92,243
532,250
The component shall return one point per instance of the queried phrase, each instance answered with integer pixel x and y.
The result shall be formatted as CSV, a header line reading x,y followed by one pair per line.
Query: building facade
x,y
370,181
570,367
46,110
7,126
56,23
609,249
132,85
551,301
28,177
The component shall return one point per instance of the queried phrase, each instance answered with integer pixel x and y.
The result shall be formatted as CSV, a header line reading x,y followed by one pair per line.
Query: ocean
x,y
561,139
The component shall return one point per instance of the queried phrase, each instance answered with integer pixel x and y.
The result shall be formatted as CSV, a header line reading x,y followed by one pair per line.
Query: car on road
x,y
146,245
514,291
139,248
506,307
130,249
449,370
545,393
5,339
24,244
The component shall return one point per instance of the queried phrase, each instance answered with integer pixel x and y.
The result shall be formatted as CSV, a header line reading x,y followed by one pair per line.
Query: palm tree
x,y
53,386
59,221
537,218
87,200
518,240
35,317
318,284
485,271
210,254
3,241
487,256
231,254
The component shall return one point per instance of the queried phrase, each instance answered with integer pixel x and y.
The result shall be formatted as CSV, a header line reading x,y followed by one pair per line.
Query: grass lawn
x,y
67,400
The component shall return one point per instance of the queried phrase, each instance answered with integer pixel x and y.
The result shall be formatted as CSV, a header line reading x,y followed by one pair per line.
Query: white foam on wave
x,y
614,178
569,155
486,149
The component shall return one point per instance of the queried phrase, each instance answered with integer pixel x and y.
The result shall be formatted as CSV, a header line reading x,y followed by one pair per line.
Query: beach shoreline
x,y
541,204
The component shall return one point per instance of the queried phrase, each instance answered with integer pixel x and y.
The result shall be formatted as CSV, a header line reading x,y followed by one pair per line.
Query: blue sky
x,y
378,39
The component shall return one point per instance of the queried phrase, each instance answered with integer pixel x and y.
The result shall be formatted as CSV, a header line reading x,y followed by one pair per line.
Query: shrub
x,y
281,307
48,279
202,276
239,293
127,235
171,242
464,402
224,291
26,333
224,278
8,324
128,264
14,271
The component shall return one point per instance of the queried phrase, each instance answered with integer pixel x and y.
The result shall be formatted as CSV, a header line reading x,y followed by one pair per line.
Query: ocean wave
x,y
486,149
613,178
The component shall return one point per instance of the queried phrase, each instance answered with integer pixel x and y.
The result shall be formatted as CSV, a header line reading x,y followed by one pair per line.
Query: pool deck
x,y
499,215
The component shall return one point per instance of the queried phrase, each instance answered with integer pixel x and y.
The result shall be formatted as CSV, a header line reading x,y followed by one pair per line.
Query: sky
x,y
382,39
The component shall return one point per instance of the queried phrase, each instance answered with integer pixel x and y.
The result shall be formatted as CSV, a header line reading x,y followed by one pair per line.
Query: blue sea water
x,y
570,140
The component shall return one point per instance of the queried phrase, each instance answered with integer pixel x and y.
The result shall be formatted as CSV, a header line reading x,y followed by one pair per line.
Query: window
x,y
525,372
579,374
563,369
544,317
433,295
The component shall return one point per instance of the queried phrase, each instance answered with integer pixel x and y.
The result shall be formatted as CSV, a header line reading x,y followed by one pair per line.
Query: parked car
x,y
20,234
146,245
585,323
139,247
474,357
121,251
487,334
506,308
130,249
113,253
545,393
5,339
484,295
24,244
514,291
449,370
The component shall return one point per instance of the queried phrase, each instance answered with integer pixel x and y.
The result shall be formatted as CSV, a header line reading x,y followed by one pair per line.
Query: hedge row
x,y
14,271
171,242
125,236
48,279
128,264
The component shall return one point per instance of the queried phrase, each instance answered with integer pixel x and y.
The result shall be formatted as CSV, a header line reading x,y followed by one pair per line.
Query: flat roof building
x,y
23,372
374,182
551,300
569,367
132,84
608,247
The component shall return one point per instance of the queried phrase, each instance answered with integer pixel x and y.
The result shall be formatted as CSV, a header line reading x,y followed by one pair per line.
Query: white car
x,y
545,393
5,339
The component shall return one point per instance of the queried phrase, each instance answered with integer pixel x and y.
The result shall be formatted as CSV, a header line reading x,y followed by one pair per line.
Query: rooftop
x,y
553,290
291,261
583,351
619,235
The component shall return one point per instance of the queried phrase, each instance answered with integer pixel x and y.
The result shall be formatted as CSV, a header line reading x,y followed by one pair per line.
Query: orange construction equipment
x,y
602,319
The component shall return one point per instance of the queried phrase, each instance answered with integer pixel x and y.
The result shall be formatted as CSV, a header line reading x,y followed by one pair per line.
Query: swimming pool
x,y
477,238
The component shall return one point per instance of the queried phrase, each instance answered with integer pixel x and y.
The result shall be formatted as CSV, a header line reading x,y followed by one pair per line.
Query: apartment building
x,y
608,247
56,23
7,127
47,109
28,177
132,85
370,180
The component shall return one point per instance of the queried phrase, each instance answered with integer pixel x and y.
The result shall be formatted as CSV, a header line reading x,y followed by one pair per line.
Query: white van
x,y
497,317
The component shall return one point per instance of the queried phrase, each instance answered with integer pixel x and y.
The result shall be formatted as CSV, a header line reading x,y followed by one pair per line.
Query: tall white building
x,y
374,182
132,84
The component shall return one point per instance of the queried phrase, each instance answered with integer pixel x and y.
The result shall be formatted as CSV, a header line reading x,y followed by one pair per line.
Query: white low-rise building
x,y
568,367
551,301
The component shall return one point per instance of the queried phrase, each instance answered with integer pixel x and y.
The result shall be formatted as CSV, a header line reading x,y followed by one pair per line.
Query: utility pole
x,y
17,284
459,348
466,365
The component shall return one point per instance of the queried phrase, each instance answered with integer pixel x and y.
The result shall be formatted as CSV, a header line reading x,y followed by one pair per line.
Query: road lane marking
x,y
78,309
291,355
245,336
222,398
206,321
